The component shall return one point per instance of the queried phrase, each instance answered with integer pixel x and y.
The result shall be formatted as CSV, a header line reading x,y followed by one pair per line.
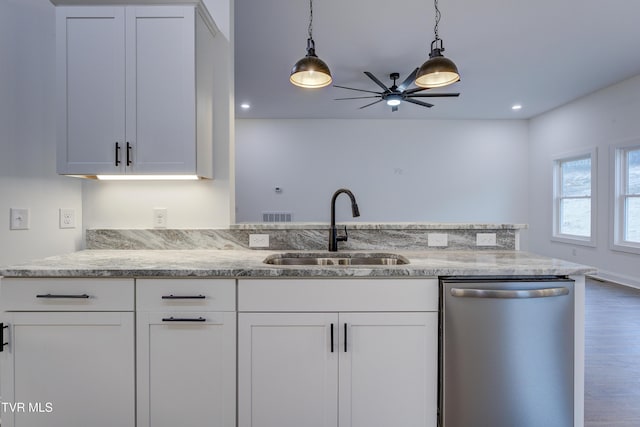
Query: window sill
x,y
574,240
626,247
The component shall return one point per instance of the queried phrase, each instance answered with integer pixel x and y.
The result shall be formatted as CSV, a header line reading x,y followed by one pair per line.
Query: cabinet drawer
x,y
185,294
66,294
338,295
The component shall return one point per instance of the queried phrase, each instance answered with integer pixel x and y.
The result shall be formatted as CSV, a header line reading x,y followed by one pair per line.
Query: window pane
x,y
632,220
633,160
576,177
575,217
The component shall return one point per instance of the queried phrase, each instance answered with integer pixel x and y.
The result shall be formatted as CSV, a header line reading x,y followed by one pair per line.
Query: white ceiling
x,y
541,54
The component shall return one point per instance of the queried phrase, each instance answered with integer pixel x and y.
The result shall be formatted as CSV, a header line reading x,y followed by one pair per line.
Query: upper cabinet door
x,y
135,89
161,104
91,89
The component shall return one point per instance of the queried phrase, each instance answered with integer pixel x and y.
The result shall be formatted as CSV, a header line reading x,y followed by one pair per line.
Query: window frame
x,y
556,236
619,195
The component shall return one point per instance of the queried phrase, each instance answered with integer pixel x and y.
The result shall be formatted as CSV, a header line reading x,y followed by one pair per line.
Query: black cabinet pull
x,y
128,154
2,328
58,296
332,338
183,296
117,154
345,337
184,319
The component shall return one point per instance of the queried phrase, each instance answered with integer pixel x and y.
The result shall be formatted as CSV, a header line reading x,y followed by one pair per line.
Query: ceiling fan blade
x,y
414,90
408,81
394,108
434,95
359,90
356,97
378,82
368,105
415,101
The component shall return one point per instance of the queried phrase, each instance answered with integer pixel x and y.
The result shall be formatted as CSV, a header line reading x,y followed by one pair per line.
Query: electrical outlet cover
x,y
486,239
160,217
67,218
258,240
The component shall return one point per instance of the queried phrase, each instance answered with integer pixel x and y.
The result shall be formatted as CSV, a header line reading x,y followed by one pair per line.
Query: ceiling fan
x,y
394,95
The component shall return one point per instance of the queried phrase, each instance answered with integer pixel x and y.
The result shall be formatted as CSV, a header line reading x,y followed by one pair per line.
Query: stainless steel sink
x,y
336,259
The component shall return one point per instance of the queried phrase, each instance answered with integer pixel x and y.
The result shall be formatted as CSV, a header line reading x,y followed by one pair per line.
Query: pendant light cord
x,y
438,16
311,19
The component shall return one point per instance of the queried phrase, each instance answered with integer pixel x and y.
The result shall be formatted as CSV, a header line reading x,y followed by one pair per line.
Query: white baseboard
x,y
619,279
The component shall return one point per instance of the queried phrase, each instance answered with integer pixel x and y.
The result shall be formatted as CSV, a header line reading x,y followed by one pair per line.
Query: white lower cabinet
x,y
186,353
287,375
347,369
68,368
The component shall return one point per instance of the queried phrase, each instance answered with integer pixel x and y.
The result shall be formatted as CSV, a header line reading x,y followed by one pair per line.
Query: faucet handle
x,y
345,237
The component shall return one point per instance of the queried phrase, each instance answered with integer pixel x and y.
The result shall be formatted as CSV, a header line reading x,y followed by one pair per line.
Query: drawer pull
x,y
58,296
183,296
184,319
2,328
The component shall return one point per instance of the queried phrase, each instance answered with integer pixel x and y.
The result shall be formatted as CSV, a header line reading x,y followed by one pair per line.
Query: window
x,y
574,198
626,227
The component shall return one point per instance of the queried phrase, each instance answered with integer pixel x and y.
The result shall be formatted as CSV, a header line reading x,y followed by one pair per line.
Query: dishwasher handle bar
x,y
509,294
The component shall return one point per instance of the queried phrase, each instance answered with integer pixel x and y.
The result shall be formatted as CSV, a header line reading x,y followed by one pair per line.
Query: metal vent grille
x,y
277,216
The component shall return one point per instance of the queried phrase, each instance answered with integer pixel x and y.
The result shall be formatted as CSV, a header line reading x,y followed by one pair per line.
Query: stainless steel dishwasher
x,y
506,352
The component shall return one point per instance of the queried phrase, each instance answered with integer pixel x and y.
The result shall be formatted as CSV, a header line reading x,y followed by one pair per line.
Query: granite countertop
x,y
248,263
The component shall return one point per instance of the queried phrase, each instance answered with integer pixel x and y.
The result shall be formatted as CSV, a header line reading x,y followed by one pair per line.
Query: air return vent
x,y
277,216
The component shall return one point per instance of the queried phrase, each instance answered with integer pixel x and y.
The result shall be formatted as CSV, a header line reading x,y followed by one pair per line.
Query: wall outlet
x,y
160,218
258,240
486,239
437,240
19,219
67,218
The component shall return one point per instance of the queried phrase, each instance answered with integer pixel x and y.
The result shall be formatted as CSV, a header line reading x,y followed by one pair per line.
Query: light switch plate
x,y
258,240
19,218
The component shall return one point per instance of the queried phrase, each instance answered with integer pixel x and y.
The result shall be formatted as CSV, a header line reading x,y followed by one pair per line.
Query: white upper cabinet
x,y
135,90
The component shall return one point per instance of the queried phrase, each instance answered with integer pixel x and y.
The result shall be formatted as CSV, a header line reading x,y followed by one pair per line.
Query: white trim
x,y
616,211
618,279
556,236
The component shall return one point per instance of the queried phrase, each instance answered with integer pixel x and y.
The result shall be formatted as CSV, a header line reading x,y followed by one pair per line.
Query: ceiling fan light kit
x,y
310,72
438,71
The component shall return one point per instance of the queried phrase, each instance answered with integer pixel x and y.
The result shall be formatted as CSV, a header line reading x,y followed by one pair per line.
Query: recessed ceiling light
x,y
516,107
245,105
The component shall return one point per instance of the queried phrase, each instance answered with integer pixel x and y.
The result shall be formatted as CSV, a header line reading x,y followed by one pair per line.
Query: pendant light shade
x,y
438,71
310,71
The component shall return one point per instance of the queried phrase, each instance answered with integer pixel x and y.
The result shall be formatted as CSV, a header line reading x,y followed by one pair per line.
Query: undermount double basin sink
x,y
336,259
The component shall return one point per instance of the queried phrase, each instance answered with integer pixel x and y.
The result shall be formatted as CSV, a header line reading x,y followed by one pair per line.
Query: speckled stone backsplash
x,y
299,236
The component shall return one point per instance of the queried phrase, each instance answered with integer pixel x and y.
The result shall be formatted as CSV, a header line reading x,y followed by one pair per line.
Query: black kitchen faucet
x,y
333,232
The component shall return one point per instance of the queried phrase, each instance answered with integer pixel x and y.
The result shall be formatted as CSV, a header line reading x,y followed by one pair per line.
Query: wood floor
x,y
612,359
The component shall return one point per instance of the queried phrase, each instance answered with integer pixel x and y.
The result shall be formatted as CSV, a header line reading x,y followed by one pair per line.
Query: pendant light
x,y
438,71
310,71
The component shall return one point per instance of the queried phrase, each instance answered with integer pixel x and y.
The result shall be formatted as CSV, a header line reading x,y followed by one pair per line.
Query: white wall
x,y
603,118
399,170
27,136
